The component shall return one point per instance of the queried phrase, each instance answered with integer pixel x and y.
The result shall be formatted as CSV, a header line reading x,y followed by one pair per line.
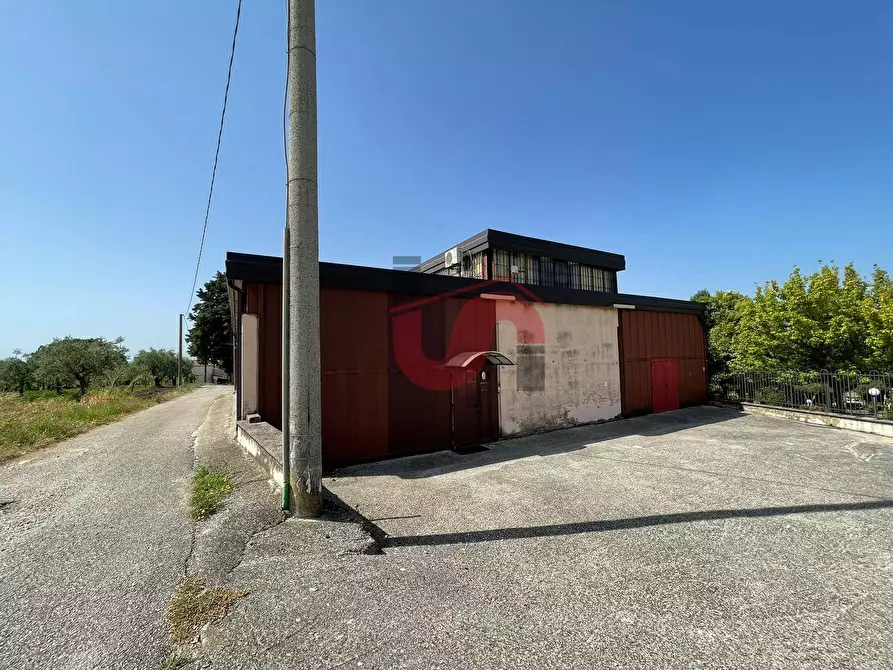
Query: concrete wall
x,y
249,367
860,424
573,378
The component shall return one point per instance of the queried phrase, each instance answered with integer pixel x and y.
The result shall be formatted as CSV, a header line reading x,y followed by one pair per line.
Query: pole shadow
x,y
607,525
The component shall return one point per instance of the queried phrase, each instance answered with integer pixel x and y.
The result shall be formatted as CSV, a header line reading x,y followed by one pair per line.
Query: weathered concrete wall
x,y
573,378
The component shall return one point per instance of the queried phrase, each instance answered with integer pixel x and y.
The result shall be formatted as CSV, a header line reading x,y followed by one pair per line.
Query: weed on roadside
x,y
209,487
193,605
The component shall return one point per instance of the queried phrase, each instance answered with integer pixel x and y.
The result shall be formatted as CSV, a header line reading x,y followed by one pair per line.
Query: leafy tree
x,y
720,320
16,373
832,319
77,362
161,364
877,308
210,337
127,373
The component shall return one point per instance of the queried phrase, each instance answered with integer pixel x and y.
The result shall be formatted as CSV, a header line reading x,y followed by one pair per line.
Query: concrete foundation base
x,y
264,442
860,424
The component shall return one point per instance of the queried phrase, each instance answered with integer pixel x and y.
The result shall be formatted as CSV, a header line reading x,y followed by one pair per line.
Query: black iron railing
x,y
856,393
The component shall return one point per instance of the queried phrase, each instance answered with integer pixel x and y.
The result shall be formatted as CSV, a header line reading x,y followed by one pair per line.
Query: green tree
x,y
158,364
161,365
832,319
71,361
210,337
16,373
720,322
877,308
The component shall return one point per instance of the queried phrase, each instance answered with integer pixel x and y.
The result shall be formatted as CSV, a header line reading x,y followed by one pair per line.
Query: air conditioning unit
x,y
451,257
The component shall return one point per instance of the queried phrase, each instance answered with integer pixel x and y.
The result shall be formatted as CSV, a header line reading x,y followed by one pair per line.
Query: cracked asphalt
x,y
94,533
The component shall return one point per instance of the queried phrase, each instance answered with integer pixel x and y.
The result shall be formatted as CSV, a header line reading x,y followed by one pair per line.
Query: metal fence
x,y
856,393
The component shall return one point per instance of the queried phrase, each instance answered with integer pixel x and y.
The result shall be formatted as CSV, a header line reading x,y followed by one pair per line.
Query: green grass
x,y
37,421
193,605
209,488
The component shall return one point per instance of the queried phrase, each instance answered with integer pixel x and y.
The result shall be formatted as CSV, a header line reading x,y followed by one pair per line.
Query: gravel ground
x,y
695,539
94,533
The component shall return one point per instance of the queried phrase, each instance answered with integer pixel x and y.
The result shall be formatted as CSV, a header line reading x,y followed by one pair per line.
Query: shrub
x,y
771,396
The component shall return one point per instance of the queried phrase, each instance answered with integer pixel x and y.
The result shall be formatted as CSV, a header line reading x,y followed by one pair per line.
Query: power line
x,y
229,74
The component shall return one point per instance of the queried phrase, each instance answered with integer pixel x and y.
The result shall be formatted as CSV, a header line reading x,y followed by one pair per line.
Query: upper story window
x,y
543,271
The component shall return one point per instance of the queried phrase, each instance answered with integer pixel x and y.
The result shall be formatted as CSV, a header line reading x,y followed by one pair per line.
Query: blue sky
x,y
715,144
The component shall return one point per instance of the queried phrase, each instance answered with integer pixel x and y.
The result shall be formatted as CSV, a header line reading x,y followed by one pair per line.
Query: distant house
x,y
501,335
208,374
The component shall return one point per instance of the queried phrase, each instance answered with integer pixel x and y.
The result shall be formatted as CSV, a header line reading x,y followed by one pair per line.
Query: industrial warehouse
x,y
500,336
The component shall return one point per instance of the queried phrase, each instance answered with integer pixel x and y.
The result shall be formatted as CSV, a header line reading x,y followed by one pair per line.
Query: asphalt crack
x,y
248,540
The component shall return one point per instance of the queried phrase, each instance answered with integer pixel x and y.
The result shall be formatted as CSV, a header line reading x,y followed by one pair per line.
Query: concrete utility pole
x,y
305,407
180,353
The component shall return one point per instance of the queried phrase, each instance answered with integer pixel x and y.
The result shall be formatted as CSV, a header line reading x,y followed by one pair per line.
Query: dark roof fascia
x,y
254,268
268,270
521,244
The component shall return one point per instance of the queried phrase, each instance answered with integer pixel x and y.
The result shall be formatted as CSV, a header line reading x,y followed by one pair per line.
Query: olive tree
x,y
16,373
72,361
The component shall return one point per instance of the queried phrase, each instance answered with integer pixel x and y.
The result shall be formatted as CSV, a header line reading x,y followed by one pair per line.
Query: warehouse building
x,y
499,336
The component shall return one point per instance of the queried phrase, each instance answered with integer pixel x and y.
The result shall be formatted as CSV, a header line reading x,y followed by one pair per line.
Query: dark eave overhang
x,y
249,268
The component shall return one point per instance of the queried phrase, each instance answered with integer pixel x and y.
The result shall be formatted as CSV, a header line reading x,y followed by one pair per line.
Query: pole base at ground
x,y
305,505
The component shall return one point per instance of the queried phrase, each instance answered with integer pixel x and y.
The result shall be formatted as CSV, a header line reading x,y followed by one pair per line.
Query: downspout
x,y
286,373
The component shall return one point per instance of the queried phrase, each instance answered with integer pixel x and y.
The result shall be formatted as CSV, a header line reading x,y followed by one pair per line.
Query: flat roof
x,y
253,268
521,244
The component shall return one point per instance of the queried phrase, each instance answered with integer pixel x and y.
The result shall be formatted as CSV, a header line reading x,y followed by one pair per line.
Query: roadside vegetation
x,y
73,384
193,605
41,418
209,488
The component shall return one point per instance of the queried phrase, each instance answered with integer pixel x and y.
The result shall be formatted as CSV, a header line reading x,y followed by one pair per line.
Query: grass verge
x,y
209,487
195,604
29,424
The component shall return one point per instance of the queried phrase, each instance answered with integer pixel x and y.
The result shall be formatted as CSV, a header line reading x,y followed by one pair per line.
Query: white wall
x,y
249,367
581,365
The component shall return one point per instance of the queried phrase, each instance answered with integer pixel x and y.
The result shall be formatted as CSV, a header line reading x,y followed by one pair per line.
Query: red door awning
x,y
465,359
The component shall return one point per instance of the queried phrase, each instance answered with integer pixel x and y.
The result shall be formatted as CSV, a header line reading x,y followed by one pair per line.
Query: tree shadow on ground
x,y
542,444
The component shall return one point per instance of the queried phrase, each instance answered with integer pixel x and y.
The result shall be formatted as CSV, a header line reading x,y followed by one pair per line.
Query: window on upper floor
x,y
547,272
543,271
502,261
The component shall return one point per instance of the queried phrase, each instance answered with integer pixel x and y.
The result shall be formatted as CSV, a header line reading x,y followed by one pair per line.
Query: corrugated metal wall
x,y
371,408
648,335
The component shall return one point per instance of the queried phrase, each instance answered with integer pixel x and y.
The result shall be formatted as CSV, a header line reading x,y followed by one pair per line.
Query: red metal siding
x,y
353,353
649,335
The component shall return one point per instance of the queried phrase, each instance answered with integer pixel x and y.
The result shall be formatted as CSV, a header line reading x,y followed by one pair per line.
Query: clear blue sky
x,y
715,144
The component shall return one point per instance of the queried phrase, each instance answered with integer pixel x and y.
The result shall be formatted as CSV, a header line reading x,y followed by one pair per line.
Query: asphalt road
x,y
693,539
94,533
